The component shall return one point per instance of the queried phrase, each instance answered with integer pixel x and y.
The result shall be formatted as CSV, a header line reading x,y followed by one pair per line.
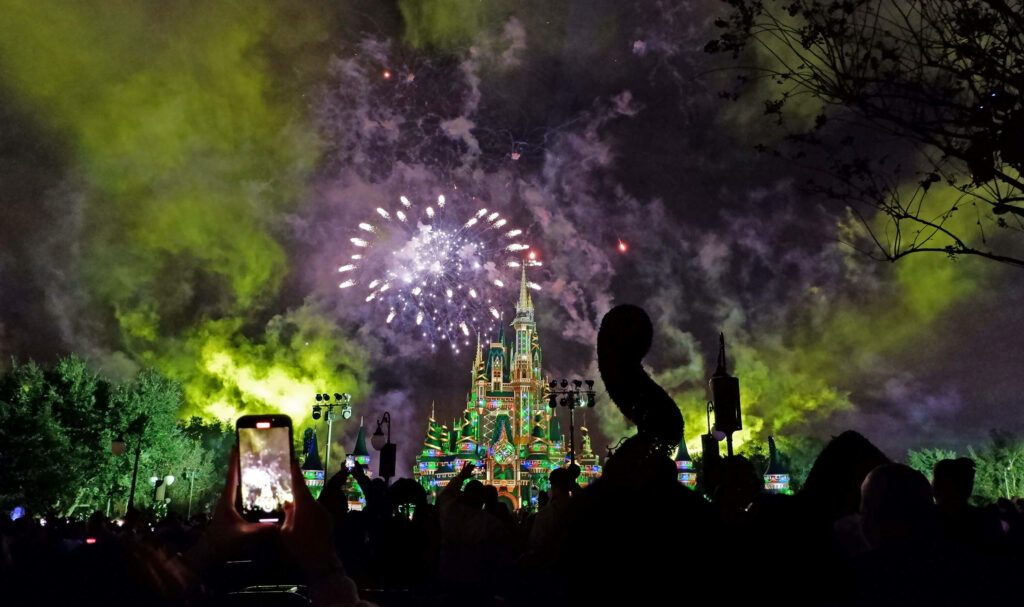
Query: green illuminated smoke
x,y
188,123
449,23
817,363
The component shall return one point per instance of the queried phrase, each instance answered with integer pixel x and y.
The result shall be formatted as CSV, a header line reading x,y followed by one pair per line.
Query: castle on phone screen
x,y
506,429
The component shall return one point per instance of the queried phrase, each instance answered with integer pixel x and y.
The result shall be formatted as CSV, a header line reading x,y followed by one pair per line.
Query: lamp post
x,y
712,457
191,476
571,398
725,392
137,429
160,486
342,401
387,449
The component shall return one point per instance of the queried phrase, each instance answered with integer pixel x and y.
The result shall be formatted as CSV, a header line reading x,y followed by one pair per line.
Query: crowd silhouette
x,y
862,531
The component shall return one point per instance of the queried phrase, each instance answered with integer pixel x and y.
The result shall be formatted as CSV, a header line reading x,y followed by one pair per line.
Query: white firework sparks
x,y
438,269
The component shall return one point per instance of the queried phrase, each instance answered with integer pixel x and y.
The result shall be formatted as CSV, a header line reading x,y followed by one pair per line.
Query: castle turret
x,y
589,465
684,463
479,368
359,452
311,452
433,447
497,363
312,467
776,477
360,455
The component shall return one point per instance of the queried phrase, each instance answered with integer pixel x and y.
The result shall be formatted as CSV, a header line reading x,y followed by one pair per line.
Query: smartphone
x,y
264,462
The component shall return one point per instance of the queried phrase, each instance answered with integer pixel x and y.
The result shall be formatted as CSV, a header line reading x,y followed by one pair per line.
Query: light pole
x,y
387,449
137,428
725,392
572,397
191,476
343,401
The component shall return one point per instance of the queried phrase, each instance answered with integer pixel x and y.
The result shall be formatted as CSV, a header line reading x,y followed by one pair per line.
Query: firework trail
x,y
434,270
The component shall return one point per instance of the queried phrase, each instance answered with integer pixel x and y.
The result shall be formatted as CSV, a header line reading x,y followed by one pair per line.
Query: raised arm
x,y
454,486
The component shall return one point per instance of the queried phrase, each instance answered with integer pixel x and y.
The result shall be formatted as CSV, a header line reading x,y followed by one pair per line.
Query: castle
x,y
507,429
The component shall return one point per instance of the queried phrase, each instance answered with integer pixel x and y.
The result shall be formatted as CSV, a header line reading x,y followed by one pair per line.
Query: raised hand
x,y
227,528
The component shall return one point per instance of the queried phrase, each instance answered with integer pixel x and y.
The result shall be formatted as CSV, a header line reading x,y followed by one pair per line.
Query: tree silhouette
x,y
917,108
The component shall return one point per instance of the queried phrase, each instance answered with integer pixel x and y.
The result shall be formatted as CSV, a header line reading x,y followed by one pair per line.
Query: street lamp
x,y
725,392
191,476
387,449
160,486
571,398
344,402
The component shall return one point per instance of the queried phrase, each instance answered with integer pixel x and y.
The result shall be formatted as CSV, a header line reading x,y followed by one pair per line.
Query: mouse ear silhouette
x,y
622,342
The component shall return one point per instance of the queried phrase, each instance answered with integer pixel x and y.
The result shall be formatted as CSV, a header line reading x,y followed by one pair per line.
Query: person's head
x,y
833,485
97,523
473,494
738,483
896,505
561,481
407,491
542,499
490,495
953,481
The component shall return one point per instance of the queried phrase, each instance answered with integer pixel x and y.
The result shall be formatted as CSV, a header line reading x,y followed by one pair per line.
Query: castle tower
x,y
312,467
587,460
684,463
360,455
506,429
776,477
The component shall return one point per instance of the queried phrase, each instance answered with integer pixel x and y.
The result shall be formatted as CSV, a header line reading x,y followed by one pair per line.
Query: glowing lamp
x,y
378,440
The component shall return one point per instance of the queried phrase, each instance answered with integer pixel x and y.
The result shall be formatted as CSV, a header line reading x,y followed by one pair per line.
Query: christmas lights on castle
x,y
506,429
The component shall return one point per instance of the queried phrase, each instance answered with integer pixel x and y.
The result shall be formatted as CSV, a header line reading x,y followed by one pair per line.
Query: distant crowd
x,y
861,531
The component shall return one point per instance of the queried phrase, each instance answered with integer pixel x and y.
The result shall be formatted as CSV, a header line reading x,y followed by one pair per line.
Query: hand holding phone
x,y
227,527
264,461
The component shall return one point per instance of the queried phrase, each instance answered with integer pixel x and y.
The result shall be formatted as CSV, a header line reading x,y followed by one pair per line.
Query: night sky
x,y
179,183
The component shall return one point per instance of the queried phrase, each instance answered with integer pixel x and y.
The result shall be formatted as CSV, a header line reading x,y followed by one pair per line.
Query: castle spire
x,y
478,360
360,448
524,307
682,453
524,292
776,477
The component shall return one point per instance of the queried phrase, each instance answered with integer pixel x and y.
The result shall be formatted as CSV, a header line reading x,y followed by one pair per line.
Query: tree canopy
x,y
917,106
56,429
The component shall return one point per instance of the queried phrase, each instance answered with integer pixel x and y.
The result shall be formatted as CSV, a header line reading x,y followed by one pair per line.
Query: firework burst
x,y
433,270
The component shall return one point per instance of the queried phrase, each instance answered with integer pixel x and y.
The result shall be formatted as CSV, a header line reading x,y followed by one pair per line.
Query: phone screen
x,y
264,454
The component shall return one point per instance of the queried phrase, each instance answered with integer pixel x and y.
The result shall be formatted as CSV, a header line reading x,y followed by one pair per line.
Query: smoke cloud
x,y
183,181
